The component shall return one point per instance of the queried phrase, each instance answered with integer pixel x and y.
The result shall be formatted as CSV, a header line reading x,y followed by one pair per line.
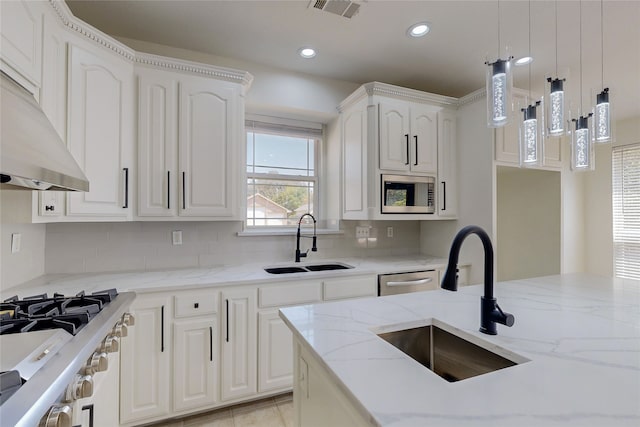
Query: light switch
x,y
16,241
176,237
362,232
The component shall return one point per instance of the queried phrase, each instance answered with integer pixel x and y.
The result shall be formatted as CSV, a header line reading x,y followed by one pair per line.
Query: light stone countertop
x,y
193,278
581,334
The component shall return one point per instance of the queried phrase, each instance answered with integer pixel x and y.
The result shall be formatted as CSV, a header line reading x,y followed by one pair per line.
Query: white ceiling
x,y
373,46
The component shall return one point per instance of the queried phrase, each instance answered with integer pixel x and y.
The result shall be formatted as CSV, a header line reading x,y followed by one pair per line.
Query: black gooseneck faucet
x,y
490,312
298,236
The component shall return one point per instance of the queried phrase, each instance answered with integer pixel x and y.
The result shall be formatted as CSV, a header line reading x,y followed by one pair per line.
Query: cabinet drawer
x,y
278,296
189,304
350,288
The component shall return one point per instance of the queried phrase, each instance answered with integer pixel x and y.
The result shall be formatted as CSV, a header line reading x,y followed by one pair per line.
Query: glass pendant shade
x,y
556,124
499,85
581,145
531,141
602,118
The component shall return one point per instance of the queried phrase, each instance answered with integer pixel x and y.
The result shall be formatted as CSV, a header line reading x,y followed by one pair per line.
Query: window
x,y
282,172
626,211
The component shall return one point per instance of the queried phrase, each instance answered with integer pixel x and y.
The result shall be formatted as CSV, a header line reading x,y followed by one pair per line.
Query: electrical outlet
x,y
16,241
176,237
362,232
389,231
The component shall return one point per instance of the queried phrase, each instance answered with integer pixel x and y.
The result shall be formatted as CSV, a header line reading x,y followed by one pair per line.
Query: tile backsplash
x,y
100,247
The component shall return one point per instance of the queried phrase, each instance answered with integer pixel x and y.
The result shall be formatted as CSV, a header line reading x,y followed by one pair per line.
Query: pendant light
x,y
603,131
555,99
499,85
581,144
531,141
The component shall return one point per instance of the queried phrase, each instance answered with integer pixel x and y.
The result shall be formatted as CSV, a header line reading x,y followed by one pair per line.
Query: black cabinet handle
x,y
184,187
444,195
211,343
126,188
162,329
168,189
416,138
227,310
90,409
406,135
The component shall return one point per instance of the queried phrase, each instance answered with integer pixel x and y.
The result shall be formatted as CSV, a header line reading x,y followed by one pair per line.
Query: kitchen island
x,y
576,339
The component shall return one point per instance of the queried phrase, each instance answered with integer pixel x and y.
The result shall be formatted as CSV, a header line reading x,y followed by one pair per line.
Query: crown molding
x,y
384,89
472,97
237,76
89,32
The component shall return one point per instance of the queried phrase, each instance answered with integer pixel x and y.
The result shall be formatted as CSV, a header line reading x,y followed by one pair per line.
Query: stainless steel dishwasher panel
x,y
415,281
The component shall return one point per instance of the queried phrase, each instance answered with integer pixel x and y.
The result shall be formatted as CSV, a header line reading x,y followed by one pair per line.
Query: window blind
x,y
279,126
626,211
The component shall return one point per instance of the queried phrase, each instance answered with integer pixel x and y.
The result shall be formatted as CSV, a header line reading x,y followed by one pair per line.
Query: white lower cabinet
x,y
239,343
101,408
275,352
195,364
145,356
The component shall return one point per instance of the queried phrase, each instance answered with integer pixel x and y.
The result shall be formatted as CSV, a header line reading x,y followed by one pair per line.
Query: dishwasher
x,y
415,281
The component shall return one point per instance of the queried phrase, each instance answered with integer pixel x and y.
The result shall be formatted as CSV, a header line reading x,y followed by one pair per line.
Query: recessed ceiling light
x,y
524,61
307,52
418,30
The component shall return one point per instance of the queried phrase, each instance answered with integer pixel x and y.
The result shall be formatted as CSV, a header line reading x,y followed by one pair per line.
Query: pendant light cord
x,y
530,48
498,29
556,13
602,38
581,57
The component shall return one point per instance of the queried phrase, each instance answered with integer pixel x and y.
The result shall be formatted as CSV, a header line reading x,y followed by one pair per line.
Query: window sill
x,y
286,232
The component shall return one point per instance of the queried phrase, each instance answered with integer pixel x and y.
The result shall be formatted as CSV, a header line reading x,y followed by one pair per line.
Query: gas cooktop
x,y
39,312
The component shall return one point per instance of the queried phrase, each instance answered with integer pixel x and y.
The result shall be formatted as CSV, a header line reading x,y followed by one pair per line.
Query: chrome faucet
x,y
490,312
298,236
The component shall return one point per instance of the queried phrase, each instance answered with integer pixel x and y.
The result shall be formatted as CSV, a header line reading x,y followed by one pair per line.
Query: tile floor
x,y
271,412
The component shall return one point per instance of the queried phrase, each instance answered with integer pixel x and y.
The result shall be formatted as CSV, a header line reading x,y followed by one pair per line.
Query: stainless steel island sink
x,y
449,355
307,267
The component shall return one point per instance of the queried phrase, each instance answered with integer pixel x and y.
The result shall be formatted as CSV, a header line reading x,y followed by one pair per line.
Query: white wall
x,y
15,217
99,247
598,212
528,221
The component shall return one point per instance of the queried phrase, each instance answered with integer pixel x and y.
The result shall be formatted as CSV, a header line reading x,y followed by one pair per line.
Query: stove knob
x,y
110,344
81,387
128,319
58,416
99,362
120,330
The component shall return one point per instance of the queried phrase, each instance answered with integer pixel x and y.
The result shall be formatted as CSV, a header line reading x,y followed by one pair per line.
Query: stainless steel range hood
x,y
32,154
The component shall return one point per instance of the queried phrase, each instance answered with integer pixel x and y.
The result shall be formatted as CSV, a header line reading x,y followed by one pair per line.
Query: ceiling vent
x,y
345,8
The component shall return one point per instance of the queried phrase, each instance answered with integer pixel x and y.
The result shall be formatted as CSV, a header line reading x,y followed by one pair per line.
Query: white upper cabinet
x,y
101,132
190,141
390,129
447,191
408,137
21,42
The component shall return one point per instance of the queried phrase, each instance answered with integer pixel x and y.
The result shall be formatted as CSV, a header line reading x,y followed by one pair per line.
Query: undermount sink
x,y
449,355
307,268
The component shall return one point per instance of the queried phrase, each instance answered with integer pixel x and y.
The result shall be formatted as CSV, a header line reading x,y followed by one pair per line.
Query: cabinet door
x,y
21,31
194,364
395,145
275,352
101,408
157,143
423,139
507,142
447,191
239,341
354,167
101,132
146,362
207,147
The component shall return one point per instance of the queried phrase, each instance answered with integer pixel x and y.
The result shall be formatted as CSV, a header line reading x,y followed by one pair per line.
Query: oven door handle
x,y
411,282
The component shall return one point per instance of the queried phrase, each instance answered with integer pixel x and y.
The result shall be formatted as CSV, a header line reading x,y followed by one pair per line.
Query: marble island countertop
x,y
580,333
191,278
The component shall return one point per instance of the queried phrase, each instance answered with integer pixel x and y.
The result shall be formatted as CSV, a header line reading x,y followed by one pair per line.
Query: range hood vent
x,y
32,154
345,8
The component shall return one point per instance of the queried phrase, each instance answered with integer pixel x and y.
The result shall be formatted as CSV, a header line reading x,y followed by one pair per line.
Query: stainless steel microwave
x,y
404,194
